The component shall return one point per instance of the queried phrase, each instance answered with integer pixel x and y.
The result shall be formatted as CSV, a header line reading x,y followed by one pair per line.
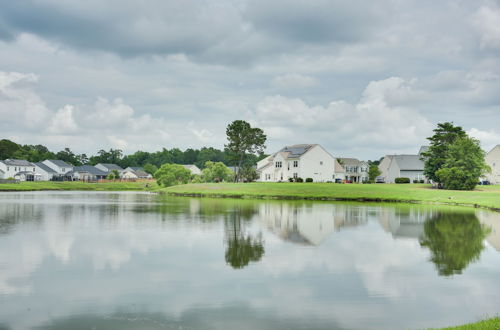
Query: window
x,y
278,164
321,162
8,169
295,163
295,175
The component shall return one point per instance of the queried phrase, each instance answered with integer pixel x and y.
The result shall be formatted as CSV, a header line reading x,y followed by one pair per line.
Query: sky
x,y
361,78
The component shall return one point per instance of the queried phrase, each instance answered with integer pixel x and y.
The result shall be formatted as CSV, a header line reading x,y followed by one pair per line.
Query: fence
x,y
126,180
9,181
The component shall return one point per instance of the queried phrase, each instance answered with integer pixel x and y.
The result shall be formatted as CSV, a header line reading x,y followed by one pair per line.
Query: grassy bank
x,y
484,196
76,185
490,324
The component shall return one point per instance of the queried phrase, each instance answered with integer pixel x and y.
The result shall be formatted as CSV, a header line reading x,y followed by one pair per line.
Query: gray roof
x,y
45,168
297,150
409,162
350,161
111,167
59,163
138,171
88,168
17,162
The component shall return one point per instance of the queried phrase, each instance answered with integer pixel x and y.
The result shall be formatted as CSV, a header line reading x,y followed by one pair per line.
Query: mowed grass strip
x,y
484,196
490,324
76,185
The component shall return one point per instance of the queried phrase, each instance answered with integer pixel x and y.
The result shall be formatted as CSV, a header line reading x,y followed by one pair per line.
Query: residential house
x,y
493,161
298,161
193,169
45,172
61,167
135,173
106,167
398,166
87,173
355,170
17,168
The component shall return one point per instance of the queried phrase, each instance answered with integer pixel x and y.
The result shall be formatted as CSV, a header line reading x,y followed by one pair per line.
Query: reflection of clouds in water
x,y
355,275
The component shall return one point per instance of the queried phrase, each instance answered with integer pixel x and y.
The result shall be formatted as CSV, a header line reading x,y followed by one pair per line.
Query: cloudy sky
x,y
362,78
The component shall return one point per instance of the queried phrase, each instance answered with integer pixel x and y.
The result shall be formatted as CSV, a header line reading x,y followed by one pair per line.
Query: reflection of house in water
x,y
491,220
310,224
404,223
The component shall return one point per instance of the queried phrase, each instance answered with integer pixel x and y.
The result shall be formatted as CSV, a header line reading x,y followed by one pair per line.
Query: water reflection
x,y
455,240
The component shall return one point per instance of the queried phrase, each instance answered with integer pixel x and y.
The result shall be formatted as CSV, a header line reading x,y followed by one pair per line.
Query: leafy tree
x,y
113,175
243,140
68,156
216,172
463,165
444,136
249,174
172,174
373,172
113,156
455,240
150,168
8,148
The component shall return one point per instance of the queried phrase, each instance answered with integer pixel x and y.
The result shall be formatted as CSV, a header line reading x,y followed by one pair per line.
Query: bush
x,y
172,174
309,180
415,181
402,180
422,181
290,179
299,180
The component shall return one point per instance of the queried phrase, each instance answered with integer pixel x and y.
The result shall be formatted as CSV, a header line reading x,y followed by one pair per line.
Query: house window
x,y
278,164
296,163
8,168
321,162
295,175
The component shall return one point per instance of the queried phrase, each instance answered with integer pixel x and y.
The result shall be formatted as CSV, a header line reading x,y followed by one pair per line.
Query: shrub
x,y
290,179
299,180
402,180
309,180
422,181
172,174
415,181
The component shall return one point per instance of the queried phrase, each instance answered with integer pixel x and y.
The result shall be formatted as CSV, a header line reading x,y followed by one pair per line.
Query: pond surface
x,y
77,260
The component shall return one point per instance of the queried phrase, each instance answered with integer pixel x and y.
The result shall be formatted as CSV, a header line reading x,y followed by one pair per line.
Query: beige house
x,y
193,169
355,170
135,173
493,160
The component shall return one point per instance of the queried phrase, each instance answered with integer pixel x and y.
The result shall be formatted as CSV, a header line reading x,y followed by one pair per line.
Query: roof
x,y
190,166
409,162
45,168
89,169
138,171
338,167
59,163
423,149
111,167
350,161
295,151
16,162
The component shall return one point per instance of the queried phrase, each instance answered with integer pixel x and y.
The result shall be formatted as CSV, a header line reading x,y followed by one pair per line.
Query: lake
x,y
101,260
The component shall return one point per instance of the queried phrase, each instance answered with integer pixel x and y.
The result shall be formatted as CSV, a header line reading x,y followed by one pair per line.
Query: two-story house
x,y
17,168
298,161
356,171
493,161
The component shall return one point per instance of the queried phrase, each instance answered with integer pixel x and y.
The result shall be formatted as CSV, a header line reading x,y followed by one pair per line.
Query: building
x,y
193,168
493,161
87,173
355,170
61,167
18,169
298,161
135,173
45,172
106,167
401,166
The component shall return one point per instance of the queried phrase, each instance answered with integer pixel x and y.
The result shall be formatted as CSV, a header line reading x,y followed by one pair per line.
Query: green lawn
x,y
490,324
75,185
484,196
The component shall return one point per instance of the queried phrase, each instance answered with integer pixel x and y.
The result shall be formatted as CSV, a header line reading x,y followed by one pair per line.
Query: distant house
x,y
109,167
135,173
19,169
298,161
397,166
493,161
193,168
61,167
46,173
87,173
355,170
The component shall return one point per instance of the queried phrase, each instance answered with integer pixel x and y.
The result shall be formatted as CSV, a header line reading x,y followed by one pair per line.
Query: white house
x,y
59,166
355,170
493,160
45,172
398,166
17,168
135,173
87,173
193,168
298,161
108,167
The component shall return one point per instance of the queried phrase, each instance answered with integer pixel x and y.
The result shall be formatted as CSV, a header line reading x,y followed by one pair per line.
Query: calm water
x,y
141,261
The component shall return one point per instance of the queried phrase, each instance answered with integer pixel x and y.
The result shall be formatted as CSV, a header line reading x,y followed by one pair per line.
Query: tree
x,y
7,148
171,175
68,156
249,174
150,168
243,140
113,175
373,172
444,135
463,165
216,172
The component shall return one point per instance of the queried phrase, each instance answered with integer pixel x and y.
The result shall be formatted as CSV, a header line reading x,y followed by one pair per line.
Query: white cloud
x,y
63,122
294,80
489,139
487,22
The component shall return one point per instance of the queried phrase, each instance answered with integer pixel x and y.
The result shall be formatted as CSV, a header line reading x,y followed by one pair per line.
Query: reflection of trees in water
x,y
241,247
12,215
455,240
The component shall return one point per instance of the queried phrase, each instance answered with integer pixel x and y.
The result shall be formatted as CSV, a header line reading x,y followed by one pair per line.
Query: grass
x,y
490,324
483,196
76,185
